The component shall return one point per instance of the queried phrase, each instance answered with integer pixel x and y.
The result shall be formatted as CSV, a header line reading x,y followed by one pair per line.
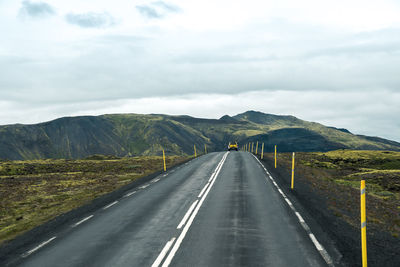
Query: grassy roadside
x,y
33,192
337,176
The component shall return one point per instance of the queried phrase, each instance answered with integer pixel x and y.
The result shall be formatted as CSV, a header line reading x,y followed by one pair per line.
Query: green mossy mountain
x,y
134,134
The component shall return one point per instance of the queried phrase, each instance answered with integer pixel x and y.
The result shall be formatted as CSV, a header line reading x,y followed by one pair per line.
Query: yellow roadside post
x,y
252,146
195,154
163,155
248,148
256,148
275,156
262,151
205,149
363,225
292,172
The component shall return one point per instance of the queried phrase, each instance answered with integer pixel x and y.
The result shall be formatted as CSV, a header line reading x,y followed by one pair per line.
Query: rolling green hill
x,y
134,134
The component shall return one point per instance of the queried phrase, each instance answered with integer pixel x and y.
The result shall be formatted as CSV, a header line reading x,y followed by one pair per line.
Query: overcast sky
x,y
334,62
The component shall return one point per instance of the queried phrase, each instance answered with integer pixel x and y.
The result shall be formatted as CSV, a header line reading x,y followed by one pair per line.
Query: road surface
x,y
221,209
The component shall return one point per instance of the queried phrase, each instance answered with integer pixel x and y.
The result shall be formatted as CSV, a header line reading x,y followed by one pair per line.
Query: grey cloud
x,y
91,20
149,12
157,10
167,7
36,9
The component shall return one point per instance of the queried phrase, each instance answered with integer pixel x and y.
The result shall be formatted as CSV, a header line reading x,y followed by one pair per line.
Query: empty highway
x,y
221,209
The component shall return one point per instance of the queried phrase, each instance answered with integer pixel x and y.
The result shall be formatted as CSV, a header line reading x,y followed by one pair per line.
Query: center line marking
x,y
203,190
178,242
184,219
38,247
164,251
109,205
82,221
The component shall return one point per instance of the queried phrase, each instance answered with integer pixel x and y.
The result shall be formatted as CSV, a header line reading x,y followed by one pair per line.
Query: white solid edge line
x,y
184,219
109,205
83,220
38,247
190,221
288,201
299,216
164,251
316,243
130,194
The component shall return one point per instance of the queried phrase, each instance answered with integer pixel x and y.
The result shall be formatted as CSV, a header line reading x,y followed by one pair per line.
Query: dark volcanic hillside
x,y
132,134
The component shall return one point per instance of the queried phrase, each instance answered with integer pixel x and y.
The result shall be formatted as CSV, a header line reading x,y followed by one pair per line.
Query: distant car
x,y
233,146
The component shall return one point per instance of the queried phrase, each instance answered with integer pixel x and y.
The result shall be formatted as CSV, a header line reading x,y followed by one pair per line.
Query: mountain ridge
x,y
137,134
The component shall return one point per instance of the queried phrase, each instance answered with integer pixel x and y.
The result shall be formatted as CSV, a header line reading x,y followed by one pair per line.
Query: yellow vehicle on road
x,y
233,146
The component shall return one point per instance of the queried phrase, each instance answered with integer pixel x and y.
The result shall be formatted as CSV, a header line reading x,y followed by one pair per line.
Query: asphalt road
x,y
221,209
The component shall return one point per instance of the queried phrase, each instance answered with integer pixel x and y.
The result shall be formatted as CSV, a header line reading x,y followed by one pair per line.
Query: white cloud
x,y
330,52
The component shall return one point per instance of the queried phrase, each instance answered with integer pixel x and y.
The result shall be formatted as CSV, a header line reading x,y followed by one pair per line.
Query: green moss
x,y
44,189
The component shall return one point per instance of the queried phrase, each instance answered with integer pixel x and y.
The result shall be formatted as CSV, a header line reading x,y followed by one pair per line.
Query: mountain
x,y
135,134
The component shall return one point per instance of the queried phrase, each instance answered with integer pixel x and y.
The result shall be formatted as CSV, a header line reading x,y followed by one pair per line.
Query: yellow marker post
x,y
205,149
363,225
248,148
256,147
252,146
195,154
275,156
262,151
292,185
165,165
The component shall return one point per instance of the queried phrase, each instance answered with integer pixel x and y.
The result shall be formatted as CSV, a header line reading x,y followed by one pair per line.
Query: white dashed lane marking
x,y
38,247
110,205
83,220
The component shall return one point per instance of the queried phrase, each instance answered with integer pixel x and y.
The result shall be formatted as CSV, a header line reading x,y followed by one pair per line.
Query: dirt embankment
x,y
330,195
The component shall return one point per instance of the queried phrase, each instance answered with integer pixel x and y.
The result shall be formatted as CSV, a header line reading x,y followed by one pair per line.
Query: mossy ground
x,y
337,174
33,192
